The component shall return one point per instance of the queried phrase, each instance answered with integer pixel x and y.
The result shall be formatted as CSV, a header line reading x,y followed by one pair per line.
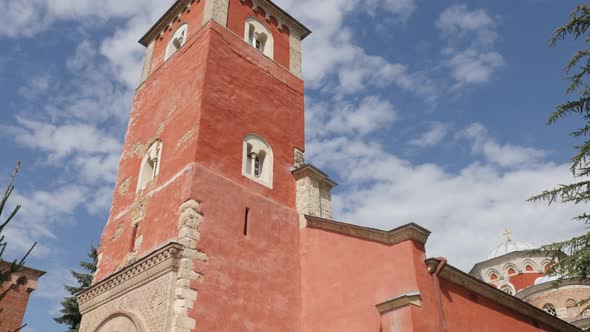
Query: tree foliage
x,y
15,265
70,310
577,264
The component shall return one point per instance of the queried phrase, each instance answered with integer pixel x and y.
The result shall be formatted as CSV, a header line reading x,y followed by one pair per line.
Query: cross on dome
x,y
507,234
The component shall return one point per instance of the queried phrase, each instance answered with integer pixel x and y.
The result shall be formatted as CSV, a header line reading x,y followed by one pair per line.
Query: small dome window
x,y
550,309
507,289
259,37
177,40
150,165
257,160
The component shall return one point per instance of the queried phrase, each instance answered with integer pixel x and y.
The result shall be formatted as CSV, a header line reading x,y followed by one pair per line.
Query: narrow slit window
x,y
246,214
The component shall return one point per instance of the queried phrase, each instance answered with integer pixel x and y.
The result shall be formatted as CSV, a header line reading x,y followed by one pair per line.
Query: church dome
x,y
510,246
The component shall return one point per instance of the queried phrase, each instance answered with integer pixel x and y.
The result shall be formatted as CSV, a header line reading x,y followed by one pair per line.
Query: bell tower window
x,y
177,40
150,165
259,37
257,160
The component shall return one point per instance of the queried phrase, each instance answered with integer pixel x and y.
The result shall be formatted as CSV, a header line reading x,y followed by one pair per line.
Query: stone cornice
x,y
308,169
282,17
412,298
165,22
403,233
149,267
525,293
515,304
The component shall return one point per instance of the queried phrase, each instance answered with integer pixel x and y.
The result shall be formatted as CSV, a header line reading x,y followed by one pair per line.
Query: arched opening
x,y
257,160
259,36
177,40
22,281
150,165
507,289
121,323
550,309
493,276
529,268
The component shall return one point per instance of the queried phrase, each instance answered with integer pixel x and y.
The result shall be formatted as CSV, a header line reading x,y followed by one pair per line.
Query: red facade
x,y
269,274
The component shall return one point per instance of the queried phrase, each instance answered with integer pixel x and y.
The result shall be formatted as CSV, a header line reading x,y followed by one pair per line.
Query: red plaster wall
x,y
166,107
222,89
254,278
13,307
524,280
462,313
344,278
238,14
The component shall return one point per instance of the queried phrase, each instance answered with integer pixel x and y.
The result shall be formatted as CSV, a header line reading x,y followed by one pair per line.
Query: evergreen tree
x,y
16,265
577,264
70,311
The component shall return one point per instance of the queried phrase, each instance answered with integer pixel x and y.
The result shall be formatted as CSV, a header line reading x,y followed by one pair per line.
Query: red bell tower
x,y
203,234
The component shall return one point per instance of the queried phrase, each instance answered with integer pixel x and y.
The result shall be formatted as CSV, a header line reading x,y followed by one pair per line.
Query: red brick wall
x,y
13,307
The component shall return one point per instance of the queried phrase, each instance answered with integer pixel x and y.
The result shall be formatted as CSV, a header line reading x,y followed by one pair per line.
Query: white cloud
x,y
506,155
370,114
437,132
471,35
459,21
472,66
63,141
466,209
29,17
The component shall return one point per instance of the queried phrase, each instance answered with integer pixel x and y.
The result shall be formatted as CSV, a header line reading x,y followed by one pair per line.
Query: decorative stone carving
x,y
144,288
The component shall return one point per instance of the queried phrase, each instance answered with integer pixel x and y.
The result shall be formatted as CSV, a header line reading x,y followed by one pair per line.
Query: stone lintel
x,y
145,269
412,298
466,281
403,233
309,170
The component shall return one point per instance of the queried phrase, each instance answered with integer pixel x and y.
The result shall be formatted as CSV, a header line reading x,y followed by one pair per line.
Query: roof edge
x,y
144,40
397,235
460,278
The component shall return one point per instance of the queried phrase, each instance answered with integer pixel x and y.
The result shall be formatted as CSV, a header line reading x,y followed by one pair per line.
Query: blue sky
x,y
432,112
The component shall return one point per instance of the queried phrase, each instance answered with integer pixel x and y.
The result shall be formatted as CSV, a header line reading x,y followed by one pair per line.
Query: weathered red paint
x,y
201,103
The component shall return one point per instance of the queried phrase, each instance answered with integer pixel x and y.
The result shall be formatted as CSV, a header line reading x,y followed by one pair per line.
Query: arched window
x,y
511,271
259,37
493,276
550,309
529,268
21,281
257,160
150,165
177,40
507,289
